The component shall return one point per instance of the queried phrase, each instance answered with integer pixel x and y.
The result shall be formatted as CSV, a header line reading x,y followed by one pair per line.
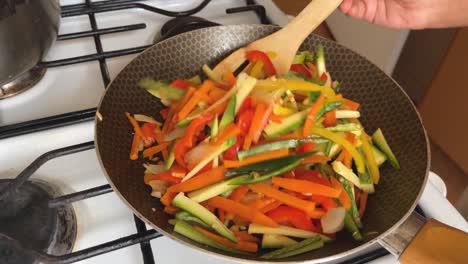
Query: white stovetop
x,y
77,87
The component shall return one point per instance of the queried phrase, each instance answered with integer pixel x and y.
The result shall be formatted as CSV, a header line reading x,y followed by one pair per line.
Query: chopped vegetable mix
x,y
259,163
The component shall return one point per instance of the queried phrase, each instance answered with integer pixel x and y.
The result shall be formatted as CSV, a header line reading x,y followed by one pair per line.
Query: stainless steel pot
x,y
27,30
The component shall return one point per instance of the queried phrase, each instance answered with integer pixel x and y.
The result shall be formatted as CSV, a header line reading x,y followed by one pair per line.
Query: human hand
x,y
411,14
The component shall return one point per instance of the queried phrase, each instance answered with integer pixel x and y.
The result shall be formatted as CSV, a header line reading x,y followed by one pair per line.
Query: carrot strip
x,y
276,119
192,102
167,198
178,171
244,236
154,150
260,203
351,104
338,97
271,206
330,119
135,125
257,158
240,245
135,144
315,159
204,179
306,206
259,120
165,176
312,69
362,203
304,186
262,123
341,156
347,156
241,210
160,139
344,197
237,195
232,130
171,209
229,78
310,120
216,94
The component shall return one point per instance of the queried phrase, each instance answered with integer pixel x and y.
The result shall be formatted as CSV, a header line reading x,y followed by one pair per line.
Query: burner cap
x,y
179,25
22,83
26,217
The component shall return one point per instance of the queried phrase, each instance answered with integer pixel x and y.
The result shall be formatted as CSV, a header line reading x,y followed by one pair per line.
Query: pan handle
x,y
419,240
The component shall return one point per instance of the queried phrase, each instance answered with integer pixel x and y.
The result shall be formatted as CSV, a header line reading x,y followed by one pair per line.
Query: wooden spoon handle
x,y
310,18
437,243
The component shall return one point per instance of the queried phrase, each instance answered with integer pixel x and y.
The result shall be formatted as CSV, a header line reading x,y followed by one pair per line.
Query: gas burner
x,y
22,83
27,221
179,25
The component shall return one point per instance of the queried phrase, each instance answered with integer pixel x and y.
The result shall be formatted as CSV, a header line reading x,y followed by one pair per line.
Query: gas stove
x,y
46,136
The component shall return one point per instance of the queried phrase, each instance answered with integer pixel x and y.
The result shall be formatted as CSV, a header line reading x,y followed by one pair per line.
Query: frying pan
x,y
383,104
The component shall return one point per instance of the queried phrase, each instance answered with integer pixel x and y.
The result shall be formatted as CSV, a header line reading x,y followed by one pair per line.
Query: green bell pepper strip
x,y
353,210
351,227
345,143
290,143
266,166
327,107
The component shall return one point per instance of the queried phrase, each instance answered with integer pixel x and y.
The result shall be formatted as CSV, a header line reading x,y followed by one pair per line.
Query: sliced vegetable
x,y
274,154
240,245
209,177
295,249
244,90
333,221
380,158
303,57
187,230
276,241
294,216
188,217
342,114
162,90
381,142
256,55
228,116
370,158
206,216
285,231
241,210
353,210
289,124
294,85
211,191
311,116
321,69
220,149
307,187
351,227
306,206
348,174
346,144
291,143
345,127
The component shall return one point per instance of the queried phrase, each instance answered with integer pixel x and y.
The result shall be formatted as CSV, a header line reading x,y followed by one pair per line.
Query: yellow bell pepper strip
x,y
256,71
371,163
294,85
343,142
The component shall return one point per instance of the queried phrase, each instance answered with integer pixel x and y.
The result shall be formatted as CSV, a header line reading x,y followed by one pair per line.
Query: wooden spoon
x,y
284,42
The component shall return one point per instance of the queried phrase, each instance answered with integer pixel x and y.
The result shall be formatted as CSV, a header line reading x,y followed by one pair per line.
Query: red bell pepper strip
x,y
180,84
294,216
249,102
231,153
311,175
256,55
196,126
245,120
180,149
324,77
327,203
148,132
164,113
300,68
306,147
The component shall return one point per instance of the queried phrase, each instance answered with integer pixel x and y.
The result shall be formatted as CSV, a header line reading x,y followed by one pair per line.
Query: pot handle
x,y
421,241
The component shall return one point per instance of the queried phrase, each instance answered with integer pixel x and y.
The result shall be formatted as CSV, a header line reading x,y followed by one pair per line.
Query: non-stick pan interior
x,y
383,104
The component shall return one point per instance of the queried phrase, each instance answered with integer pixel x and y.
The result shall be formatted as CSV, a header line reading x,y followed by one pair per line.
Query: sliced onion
x,y
153,169
199,152
145,118
178,132
159,187
333,220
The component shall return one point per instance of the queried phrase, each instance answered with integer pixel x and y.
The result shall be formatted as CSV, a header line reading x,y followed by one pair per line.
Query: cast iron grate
x,y
90,8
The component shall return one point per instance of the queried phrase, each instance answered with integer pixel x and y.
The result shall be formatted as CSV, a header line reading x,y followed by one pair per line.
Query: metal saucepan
x,y
27,30
384,105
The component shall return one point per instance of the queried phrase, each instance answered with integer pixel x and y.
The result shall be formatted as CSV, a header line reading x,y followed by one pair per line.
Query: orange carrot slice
x,y
135,144
240,245
274,154
308,187
204,179
310,120
344,197
156,149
